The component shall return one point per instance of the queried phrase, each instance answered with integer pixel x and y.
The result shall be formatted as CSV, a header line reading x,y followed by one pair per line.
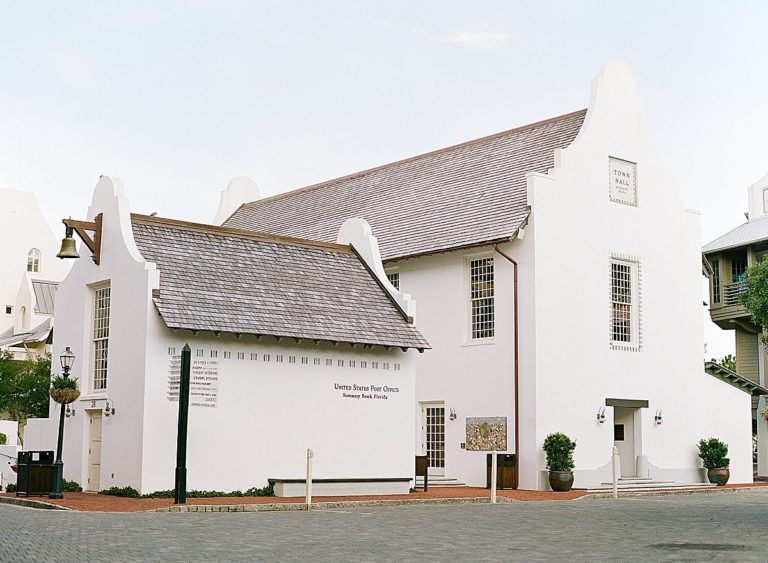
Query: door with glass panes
x,y
433,436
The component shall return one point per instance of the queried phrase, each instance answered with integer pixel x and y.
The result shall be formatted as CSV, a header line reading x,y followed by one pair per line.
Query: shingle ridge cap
x,y
244,233
449,148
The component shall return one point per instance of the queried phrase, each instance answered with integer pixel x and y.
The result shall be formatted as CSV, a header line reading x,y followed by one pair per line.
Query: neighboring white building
x,y
29,274
295,344
556,270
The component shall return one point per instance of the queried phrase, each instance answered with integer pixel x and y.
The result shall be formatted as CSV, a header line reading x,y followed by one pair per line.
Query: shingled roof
x,y
225,280
464,195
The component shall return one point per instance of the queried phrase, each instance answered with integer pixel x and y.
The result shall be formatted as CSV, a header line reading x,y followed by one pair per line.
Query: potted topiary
x,y
559,449
64,390
713,454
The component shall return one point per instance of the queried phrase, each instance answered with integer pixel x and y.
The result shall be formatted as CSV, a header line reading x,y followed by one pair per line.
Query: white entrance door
x,y
433,436
624,438
94,451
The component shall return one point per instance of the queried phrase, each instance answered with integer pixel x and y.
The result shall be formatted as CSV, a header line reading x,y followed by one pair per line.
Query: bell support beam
x,y
82,228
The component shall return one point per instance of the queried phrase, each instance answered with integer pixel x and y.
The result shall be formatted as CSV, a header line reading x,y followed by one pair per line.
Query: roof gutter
x,y
517,369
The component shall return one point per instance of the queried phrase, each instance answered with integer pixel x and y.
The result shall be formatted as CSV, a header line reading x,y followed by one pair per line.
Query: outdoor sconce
x,y
658,419
452,414
68,249
601,415
69,412
109,410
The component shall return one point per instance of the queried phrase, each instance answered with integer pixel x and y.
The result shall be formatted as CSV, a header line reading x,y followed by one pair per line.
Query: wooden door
x,y
94,451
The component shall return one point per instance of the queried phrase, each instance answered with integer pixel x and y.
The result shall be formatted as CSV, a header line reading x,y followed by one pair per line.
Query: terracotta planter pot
x,y
64,396
561,481
718,475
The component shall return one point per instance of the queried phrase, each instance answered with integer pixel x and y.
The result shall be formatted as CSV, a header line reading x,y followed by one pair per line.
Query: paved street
x,y
681,527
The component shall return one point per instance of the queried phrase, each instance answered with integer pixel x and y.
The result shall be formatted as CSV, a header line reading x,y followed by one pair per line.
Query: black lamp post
x,y
67,359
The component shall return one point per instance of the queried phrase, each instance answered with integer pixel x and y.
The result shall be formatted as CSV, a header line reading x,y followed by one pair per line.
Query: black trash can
x,y
34,474
506,471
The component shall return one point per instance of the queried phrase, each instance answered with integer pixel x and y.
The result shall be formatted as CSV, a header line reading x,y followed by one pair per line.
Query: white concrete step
x,y
435,481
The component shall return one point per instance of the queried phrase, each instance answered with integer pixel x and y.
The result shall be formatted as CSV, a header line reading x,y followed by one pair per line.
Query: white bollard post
x,y
310,455
494,471
614,476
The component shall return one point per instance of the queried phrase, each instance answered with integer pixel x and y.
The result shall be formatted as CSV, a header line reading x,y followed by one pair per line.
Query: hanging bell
x,y
68,249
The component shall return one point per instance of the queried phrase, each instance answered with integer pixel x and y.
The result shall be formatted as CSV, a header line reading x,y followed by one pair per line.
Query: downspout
x,y
517,402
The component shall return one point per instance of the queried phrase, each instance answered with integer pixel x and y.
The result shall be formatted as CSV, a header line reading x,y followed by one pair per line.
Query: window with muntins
x,y
481,298
394,279
33,260
101,307
716,281
621,302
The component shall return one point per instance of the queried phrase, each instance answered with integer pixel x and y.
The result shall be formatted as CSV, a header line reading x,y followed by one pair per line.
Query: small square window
x,y
9,309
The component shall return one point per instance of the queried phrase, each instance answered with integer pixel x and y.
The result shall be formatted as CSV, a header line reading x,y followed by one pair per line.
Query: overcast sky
x,y
177,98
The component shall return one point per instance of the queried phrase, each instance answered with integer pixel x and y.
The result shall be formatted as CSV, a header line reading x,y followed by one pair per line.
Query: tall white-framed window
x,y
624,319
482,310
394,278
101,308
33,260
716,282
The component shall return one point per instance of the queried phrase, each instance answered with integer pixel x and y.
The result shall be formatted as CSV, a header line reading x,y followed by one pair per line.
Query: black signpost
x,y
180,489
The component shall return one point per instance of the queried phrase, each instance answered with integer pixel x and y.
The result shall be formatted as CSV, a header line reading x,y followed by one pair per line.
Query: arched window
x,y
33,260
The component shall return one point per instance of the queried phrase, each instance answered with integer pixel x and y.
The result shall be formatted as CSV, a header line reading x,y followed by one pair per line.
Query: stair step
x,y
648,486
440,482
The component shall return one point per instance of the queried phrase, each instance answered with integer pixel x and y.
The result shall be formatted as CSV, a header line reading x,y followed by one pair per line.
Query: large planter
x,y
64,396
718,475
561,481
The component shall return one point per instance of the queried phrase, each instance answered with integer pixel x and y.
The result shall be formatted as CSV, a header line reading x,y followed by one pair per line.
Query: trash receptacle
x,y
35,473
506,471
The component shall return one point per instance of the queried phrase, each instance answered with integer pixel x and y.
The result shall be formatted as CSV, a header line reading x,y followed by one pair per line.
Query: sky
x,y
177,98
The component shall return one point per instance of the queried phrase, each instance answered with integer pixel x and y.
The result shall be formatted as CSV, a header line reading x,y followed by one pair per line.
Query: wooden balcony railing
x,y
732,292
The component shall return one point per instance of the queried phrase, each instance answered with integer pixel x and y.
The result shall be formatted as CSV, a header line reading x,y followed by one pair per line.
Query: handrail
x,y
733,291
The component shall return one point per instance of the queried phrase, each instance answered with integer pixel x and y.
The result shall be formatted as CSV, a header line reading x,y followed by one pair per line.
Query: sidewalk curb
x,y
670,492
300,506
31,503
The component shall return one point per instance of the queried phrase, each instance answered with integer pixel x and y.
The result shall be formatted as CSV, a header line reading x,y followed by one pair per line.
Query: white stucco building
x,y
295,344
557,274
29,274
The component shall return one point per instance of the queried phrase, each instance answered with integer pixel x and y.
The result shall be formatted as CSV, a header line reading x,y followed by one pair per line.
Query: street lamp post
x,y
57,481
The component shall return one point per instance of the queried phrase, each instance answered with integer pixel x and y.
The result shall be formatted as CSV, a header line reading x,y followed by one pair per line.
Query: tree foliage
x,y
755,296
728,362
24,387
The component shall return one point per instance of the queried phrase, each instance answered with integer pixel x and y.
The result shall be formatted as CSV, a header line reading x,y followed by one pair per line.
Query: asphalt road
x,y
703,527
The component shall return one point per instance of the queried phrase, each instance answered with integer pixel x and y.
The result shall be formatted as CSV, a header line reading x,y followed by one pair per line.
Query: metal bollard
x,y
310,455
494,472
614,471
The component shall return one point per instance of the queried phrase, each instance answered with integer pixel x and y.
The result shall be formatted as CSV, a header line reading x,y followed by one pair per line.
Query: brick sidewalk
x,y
93,502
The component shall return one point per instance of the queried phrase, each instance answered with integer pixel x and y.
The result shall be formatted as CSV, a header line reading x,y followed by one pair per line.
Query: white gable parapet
x,y
758,202
357,232
240,190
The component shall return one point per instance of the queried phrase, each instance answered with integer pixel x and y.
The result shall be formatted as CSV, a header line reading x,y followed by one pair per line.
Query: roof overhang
x,y
733,378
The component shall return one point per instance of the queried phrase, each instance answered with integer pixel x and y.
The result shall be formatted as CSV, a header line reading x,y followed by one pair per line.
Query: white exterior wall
x,y
476,379
755,198
574,230
267,413
23,227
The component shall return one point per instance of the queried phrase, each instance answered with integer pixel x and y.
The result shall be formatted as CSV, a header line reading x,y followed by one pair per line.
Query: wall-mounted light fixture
x,y
68,249
452,414
69,412
658,418
601,415
109,409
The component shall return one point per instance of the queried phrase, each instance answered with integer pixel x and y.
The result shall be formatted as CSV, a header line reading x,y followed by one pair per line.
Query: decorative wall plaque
x,y
622,181
486,434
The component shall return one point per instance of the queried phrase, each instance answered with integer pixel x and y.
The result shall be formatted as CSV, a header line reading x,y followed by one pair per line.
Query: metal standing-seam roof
x,y
224,280
40,333
751,232
464,195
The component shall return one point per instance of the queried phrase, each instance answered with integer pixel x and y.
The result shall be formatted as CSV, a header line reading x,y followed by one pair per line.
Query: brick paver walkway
x,y
92,502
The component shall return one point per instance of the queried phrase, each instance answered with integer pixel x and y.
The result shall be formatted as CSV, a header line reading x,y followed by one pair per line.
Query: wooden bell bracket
x,y
82,228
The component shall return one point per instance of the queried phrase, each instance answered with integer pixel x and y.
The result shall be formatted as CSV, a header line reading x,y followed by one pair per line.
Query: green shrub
x,y
559,449
60,382
10,488
71,487
713,453
3,439
127,491
267,491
